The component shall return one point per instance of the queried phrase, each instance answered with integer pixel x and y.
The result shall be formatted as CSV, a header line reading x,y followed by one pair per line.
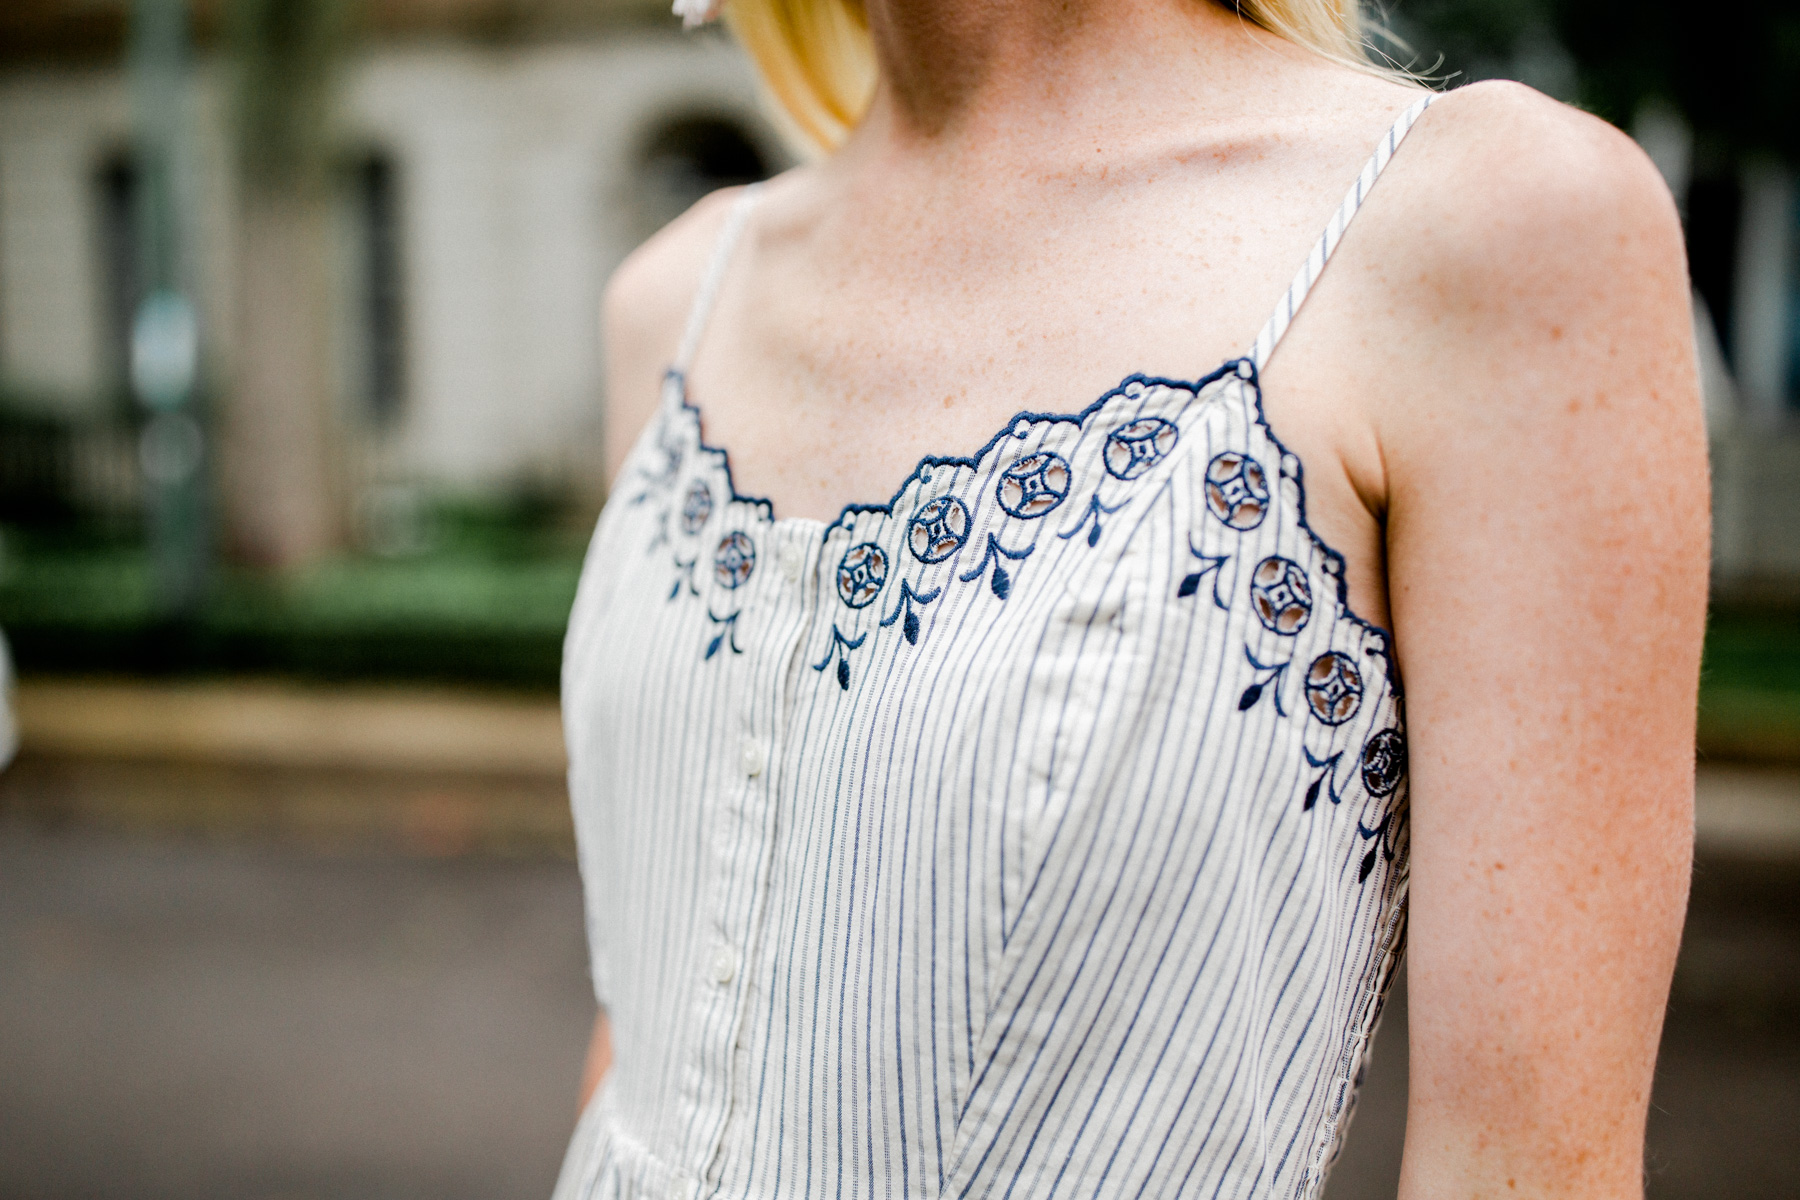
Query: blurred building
x,y
498,157
496,160
1743,232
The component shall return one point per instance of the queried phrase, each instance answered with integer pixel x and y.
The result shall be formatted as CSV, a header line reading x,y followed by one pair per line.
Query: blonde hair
x,y
818,59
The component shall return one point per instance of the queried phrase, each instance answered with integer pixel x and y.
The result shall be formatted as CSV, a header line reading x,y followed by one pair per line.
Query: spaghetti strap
x,y
1309,272
715,275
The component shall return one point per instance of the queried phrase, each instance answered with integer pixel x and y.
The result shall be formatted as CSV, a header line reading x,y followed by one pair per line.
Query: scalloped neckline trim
x,y
1240,367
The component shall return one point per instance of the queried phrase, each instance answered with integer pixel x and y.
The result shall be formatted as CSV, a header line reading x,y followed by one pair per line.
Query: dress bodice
x,y
1040,830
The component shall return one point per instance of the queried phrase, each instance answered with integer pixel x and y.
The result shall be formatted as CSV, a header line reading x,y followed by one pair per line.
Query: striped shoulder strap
x,y
1309,272
715,275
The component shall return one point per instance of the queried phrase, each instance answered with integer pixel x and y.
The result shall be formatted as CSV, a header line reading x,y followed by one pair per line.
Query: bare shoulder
x,y
643,312
1540,242
1540,430
1503,183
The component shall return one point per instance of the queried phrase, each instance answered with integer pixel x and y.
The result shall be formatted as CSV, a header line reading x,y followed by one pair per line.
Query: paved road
x,y
183,1019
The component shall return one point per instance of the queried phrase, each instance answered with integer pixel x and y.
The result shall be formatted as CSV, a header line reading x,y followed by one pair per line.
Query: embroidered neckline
x,y
1235,493
1242,367
1014,426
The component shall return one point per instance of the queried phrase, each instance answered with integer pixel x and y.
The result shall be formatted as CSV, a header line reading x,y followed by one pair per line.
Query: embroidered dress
x,y
1038,832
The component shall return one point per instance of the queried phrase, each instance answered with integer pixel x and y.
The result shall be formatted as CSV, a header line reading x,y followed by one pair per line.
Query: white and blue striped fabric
x,y
1040,832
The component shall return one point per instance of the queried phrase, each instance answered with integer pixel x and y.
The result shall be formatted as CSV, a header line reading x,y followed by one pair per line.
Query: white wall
x,y
54,131
515,168
57,129
516,202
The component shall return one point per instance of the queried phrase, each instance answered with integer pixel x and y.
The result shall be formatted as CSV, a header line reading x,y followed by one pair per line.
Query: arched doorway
x,y
685,158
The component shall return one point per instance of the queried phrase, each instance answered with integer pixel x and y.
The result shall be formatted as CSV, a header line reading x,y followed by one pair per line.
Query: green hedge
x,y
451,616
489,611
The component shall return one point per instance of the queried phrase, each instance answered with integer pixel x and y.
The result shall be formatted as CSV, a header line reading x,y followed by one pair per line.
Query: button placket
x,y
753,798
724,964
752,757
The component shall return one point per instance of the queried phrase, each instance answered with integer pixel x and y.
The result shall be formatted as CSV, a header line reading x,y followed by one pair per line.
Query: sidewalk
x,y
426,770
443,770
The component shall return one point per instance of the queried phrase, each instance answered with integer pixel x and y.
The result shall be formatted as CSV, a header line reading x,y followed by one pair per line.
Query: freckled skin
x,y
1494,393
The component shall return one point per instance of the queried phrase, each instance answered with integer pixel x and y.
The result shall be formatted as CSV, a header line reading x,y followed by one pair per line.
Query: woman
x,y
989,790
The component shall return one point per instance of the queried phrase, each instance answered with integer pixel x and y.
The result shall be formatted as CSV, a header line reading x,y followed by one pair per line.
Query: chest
x,y
830,382
1144,559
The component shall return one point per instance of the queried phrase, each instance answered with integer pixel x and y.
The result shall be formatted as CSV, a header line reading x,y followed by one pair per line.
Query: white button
x,y
792,559
678,1187
724,965
753,758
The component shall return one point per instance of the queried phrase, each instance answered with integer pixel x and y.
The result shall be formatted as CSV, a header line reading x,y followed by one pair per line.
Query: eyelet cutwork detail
x,y
861,573
696,508
1034,485
1237,490
1334,687
1133,449
1280,596
938,530
1042,725
735,560
1384,762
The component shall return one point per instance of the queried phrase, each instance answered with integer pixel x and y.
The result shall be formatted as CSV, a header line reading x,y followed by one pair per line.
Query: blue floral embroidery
x,y
696,508
1384,846
1210,564
840,650
938,530
1384,762
735,560
1135,448
903,608
684,573
1034,485
1326,778
1093,512
725,636
1334,687
861,573
673,455
1383,769
1001,582
1237,490
1280,595
1265,675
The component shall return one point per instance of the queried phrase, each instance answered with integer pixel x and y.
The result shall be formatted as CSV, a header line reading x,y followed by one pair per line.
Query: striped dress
x,y
1039,832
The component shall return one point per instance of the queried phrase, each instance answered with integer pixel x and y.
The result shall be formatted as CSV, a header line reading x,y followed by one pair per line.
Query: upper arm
x,y
1547,540
642,315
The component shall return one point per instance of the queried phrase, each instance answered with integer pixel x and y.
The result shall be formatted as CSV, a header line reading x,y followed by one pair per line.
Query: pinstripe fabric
x,y
1039,832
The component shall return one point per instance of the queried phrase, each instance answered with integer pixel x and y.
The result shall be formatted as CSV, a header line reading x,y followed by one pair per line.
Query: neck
x,y
962,74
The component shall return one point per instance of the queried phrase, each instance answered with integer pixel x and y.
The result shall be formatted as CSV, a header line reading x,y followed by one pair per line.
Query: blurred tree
x,y
157,302
282,498
1734,74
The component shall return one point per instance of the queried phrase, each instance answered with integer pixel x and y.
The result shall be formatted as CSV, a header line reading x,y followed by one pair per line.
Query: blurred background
x,y
299,425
